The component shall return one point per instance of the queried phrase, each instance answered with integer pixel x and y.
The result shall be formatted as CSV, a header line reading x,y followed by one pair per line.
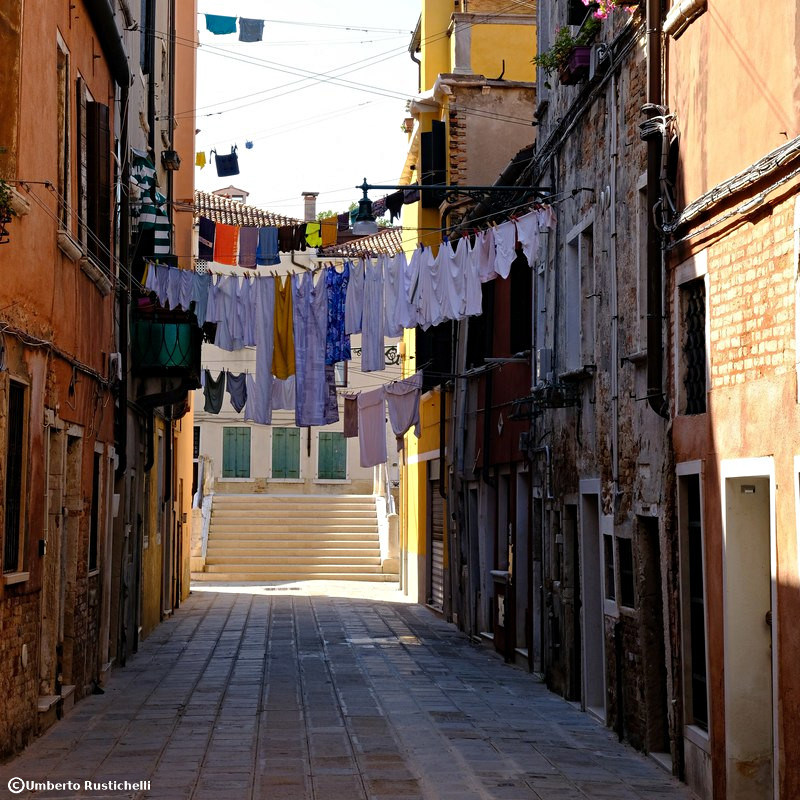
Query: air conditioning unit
x,y
544,365
599,60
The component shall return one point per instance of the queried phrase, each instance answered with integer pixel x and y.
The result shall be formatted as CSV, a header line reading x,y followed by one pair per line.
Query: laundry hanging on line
x,y
250,30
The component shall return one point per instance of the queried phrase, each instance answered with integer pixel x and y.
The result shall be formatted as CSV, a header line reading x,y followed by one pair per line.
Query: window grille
x,y
694,346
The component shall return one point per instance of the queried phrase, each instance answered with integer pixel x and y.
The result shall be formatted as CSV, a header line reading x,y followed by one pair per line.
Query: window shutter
x,y
80,105
243,452
339,456
228,453
98,189
279,452
293,453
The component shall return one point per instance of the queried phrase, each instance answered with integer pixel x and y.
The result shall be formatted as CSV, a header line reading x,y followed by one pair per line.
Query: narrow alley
x,y
277,692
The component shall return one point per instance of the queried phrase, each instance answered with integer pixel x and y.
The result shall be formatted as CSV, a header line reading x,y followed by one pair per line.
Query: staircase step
x,y
268,577
298,561
298,568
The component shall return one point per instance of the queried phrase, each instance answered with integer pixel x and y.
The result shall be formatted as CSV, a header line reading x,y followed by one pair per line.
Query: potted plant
x,y
6,210
569,55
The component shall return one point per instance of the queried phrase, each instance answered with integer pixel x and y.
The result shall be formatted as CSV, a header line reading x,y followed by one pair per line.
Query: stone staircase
x,y
263,537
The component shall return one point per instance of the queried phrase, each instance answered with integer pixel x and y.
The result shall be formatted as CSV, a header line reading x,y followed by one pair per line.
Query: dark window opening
x,y
627,593
521,323
479,332
608,563
433,157
434,354
196,445
15,427
98,183
94,525
694,345
697,632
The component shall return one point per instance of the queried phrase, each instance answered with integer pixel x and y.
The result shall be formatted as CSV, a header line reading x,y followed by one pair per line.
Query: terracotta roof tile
x,y
388,240
232,212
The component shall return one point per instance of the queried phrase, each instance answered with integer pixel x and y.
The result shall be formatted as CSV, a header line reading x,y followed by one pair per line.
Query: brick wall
x,y
751,301
19,617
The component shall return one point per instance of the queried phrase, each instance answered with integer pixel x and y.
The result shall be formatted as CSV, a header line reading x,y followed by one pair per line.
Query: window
x,y
16,435
63,107
521,322
693,600
627,593
94,522
693,345
608,567
147,36
579,316
332,456
340,373
196,444
236,452
285,452
642,222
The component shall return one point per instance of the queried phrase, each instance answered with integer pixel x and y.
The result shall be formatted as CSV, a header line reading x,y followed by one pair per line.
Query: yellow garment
x,y
283,348
313,239
330,231
200,160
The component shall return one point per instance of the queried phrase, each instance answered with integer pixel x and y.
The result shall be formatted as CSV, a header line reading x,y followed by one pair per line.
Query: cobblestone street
x,y
285,693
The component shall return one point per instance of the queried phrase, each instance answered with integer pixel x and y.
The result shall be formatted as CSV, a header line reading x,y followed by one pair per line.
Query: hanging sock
x,y
220,25
200,159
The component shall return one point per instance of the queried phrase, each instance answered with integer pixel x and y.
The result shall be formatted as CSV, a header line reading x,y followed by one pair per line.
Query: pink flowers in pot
x,y
605,7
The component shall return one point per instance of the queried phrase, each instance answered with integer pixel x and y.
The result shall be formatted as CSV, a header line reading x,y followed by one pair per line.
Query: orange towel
x,y
226,240
283,347
330,232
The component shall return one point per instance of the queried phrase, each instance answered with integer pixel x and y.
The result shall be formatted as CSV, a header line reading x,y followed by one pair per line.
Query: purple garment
x,y
237,389
248,242
314,379
337,342
206,232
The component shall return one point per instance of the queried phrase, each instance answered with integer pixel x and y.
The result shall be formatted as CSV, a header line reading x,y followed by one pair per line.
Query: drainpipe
x,y
614,291
655,356
124,292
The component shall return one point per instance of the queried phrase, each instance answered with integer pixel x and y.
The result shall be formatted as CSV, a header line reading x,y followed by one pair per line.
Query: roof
x,y
232,212
387,240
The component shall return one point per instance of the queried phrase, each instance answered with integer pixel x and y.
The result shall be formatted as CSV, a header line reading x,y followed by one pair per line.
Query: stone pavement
x,y
331,692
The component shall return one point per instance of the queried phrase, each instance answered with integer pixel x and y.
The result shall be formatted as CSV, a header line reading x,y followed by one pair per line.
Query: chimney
x,y
310,200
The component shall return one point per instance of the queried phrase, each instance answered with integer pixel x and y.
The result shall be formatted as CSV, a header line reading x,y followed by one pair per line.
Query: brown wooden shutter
x,y
98,158
80,123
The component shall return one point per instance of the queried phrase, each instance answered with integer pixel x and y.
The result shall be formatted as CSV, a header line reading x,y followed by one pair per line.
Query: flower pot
x,y
577,66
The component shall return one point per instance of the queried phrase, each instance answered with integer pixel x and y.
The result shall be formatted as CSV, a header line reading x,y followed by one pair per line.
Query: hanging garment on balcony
x,y
310,308
373,356
267,250
354,302
205,239
337,343
528,234
237,390
248,244
258,407
251,30
372,428
505,241
485,254
402,402
284,394
214,392
350,417
407,311
452,273
428,297
226,239
473,296
283,360
264,335
392,287
220,25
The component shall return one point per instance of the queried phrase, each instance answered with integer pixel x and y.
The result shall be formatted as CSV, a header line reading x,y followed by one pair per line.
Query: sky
x,y
308,132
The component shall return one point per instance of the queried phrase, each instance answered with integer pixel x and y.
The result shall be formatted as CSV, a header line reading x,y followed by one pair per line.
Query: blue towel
x,y
219,25
251,30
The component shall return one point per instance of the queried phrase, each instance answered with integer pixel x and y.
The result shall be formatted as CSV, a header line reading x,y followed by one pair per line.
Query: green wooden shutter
x,y
293,453
285,452
228,453
332,456
242,452
236,452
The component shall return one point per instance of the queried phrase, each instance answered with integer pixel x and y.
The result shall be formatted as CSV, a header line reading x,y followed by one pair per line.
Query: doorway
x,y
749,626
522,563
593,651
